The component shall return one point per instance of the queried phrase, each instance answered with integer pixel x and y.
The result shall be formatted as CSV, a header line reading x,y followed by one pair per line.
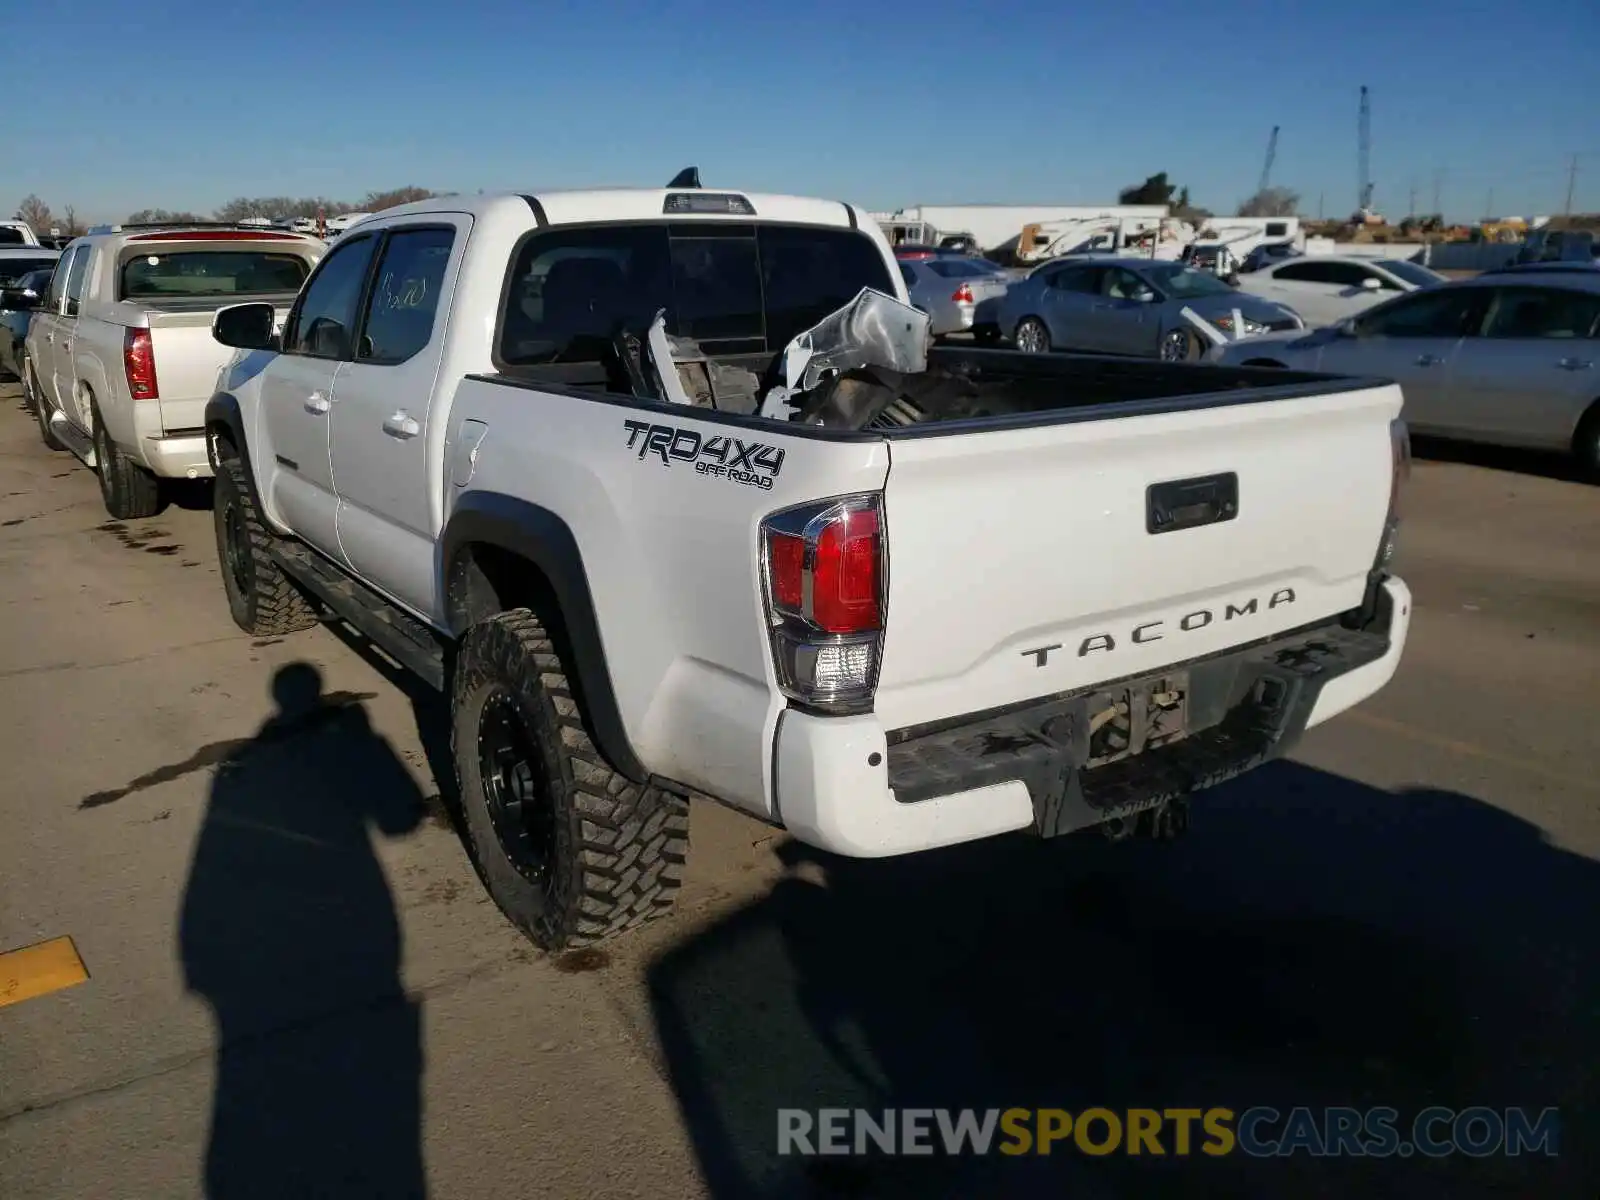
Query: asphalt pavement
x,y
296,986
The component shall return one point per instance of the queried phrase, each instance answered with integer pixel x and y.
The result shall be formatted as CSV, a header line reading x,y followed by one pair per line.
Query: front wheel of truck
x,y
262,599
570,850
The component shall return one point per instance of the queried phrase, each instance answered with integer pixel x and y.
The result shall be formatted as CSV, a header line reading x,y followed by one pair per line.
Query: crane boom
x,y
1266,167
1364,154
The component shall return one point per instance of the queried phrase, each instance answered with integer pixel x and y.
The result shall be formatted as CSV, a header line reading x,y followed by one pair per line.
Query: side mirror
x,y
1370,284
1145,296
246,326
20,299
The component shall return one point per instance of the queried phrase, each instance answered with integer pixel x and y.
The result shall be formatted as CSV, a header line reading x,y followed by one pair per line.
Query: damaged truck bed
x,y
872,365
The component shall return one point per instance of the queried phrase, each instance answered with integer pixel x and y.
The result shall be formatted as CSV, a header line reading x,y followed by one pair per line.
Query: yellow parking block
x,y
40,969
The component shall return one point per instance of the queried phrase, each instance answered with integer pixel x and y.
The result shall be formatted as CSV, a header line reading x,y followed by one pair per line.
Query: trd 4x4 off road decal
x,y
751,463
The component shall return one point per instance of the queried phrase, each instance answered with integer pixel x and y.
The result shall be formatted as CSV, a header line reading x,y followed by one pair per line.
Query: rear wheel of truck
x,y
129,491
262,599
570,850
41,406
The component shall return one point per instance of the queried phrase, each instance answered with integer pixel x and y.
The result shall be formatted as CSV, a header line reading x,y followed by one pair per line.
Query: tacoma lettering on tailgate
x,y
753,464
1154,631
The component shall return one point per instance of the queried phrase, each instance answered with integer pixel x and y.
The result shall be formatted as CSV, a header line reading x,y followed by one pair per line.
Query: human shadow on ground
x,y
1313,941
289,932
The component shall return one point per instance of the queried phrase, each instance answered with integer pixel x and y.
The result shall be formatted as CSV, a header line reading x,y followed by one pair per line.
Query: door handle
x,y
50,337
317,403
1428,360
402,426
1574,364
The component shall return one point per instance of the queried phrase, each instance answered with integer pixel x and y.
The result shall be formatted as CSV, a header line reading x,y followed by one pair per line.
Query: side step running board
x,y
75,439
404,638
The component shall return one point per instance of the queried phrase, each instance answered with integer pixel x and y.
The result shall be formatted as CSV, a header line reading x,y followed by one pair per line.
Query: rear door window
x,y
1078,279
405,295
1443,313
1312,272
1530,312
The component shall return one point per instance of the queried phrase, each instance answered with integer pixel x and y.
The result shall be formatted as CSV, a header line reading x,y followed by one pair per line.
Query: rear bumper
x,y
843,787
180,457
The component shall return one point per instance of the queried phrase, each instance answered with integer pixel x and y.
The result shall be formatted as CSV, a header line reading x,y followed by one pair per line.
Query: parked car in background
x,y
1267,253
1511,358
337,225
1129,306
915,250
119,358
1558,245
17,233
14,321
951,289
17,261
1325,289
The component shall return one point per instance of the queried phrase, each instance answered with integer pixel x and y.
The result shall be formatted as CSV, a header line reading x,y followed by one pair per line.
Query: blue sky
x,y
175,104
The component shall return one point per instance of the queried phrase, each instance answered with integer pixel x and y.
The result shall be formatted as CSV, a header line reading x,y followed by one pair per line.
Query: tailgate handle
x,y
1186,503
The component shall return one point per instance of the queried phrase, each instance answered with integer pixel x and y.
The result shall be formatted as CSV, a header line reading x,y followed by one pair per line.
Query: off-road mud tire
x,y
614,850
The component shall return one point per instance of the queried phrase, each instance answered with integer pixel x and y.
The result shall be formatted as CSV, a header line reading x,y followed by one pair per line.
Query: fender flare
x,y
541,538
223,412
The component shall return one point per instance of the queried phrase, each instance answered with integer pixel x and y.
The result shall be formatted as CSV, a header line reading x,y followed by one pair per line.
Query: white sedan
x,y
1326,289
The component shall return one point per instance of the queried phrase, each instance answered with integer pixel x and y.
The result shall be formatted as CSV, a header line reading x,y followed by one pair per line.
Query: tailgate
x,y
1020,564
187,361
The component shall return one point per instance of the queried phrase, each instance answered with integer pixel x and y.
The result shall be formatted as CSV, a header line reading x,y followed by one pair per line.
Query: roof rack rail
x,y
128,226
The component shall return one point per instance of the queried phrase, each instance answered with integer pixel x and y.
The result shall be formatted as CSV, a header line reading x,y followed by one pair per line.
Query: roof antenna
x,y
689,177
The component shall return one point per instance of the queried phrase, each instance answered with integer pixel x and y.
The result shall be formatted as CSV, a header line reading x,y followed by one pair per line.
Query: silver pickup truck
x,y
119,360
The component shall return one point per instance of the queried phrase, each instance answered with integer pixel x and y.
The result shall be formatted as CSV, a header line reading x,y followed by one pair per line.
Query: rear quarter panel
x,y
670,549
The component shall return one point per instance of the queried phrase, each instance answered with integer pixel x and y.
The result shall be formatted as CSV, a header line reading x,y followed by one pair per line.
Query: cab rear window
x,y
734,288
158,273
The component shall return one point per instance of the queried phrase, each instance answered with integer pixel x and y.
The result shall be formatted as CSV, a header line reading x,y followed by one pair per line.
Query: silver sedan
x,y
950,289
1509,358
1129,306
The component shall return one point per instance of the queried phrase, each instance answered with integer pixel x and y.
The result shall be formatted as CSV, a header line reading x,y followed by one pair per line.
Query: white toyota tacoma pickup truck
x,y
667,489
119,361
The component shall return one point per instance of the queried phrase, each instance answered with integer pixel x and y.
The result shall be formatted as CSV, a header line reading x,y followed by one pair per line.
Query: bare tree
x,y
1271,202
70,224
146,216
378,201
36,213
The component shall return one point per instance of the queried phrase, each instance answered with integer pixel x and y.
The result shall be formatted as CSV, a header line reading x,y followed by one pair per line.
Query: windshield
x,y
13,269
1410,272
211,273
1185,283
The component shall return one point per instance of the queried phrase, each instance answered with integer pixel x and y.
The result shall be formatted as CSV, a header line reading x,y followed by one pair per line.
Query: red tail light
x,y
962,295
825,568
139,360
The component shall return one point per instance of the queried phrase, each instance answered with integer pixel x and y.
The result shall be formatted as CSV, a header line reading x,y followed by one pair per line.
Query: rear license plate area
x,y
1142,715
